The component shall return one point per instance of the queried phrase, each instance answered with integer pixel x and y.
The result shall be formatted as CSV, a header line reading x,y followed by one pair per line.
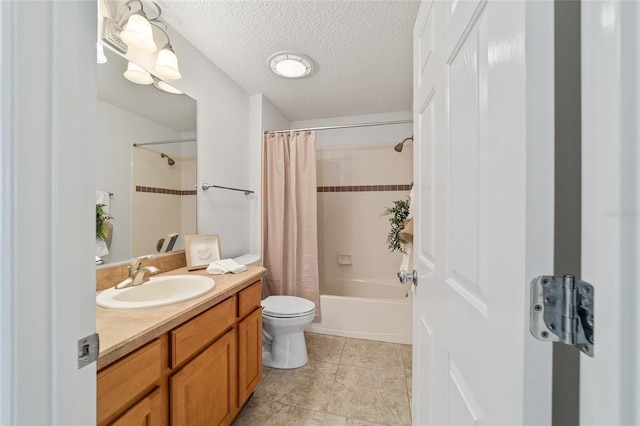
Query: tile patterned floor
x,y
346,382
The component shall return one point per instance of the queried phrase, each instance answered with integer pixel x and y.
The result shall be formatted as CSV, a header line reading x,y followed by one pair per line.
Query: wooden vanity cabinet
x,y
147,412
249,341
203,389
199,373
120,399
203,392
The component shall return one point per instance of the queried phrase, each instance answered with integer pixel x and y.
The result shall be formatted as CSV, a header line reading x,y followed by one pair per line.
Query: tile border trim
x,y
364,188
151,189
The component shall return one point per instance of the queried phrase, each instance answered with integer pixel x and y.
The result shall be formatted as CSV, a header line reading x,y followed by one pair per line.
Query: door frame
x,y
610,42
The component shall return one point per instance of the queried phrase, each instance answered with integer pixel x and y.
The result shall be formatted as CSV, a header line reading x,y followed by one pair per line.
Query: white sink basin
x,y
158,291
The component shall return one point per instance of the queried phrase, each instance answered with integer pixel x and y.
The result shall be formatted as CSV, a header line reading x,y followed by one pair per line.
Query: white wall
x,y
117,130
360,135
223,147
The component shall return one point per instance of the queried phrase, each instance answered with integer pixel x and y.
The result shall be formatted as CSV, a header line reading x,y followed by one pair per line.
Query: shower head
x,y
170,160
399,146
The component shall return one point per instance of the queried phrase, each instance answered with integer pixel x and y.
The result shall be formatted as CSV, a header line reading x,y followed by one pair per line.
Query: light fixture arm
x,y
124,15
163,30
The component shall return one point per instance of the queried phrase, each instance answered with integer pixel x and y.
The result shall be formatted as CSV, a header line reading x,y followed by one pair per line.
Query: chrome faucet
x,y
137,274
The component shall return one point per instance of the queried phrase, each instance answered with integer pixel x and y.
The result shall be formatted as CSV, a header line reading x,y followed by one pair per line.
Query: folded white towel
x,y
214,269
223,266
101,248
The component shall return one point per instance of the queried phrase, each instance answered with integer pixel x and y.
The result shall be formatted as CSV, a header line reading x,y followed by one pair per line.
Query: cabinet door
x,y
127,380
204,391
249,355
147,412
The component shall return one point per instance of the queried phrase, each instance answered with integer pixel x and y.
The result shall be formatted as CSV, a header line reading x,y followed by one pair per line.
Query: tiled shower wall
x,y
164,199
356,183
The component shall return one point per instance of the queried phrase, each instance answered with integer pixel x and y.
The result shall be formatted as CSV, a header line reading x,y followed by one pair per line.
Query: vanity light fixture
x,y
137,32
101,58
291,65
136,74
167,63
132,28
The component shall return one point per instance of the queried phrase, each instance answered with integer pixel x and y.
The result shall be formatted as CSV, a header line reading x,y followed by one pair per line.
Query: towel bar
x,y
206,186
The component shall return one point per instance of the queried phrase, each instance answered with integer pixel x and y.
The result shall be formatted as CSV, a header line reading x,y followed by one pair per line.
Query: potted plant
x,y
397,214
101,219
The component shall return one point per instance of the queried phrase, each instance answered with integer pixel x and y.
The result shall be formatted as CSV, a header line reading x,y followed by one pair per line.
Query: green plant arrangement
x,y
397,214
101,217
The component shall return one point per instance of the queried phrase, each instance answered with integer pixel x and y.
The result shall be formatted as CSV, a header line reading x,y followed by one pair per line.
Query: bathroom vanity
x,y
194,362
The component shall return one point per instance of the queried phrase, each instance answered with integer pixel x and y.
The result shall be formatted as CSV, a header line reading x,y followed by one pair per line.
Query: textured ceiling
x,y
175,111
362,50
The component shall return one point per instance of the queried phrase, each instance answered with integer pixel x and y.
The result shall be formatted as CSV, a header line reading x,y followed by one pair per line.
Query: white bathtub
x,y
365,310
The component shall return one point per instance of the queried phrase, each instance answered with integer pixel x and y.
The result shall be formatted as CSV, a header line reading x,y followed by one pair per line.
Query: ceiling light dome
x,y
291,65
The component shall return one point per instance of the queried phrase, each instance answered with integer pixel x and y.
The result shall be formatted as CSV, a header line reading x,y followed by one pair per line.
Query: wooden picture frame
x,y
201,250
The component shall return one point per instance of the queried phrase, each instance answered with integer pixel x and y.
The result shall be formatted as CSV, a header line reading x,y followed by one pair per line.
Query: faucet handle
x,y
136,262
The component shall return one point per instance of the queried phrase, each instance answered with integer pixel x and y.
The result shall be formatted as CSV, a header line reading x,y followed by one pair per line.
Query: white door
x,y
610,381
483,202
47,268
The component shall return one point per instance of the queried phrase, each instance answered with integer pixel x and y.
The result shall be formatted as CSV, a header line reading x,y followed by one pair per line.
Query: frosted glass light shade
x,y
137,75
291,65
101,58
137,33
166,87
167,64
291,68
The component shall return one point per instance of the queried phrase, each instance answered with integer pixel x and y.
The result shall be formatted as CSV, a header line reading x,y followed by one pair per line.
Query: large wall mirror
x,y
145,164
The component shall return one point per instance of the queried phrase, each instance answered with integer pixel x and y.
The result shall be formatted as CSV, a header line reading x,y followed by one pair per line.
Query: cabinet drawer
x,y
116,389
146,412
190,337
249,299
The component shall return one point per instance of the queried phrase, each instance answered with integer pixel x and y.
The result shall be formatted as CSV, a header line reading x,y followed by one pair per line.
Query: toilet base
x,y
285,351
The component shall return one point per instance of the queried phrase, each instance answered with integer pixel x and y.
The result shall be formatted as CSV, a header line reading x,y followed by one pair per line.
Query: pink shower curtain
x,y
290,231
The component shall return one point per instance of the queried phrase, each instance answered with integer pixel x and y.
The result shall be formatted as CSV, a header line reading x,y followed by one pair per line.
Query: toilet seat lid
x,y
287,306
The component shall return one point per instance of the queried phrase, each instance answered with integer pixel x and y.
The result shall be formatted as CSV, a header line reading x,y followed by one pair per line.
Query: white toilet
x,y
248,259
284,319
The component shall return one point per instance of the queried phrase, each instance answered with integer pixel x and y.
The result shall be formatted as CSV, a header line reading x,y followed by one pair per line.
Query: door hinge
x,y
88,349
562,311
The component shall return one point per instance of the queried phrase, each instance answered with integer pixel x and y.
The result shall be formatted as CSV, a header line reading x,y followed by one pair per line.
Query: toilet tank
x,y
248,259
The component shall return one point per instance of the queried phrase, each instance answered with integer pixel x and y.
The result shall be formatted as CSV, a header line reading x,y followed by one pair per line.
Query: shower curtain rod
x,y
342,126
164,142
